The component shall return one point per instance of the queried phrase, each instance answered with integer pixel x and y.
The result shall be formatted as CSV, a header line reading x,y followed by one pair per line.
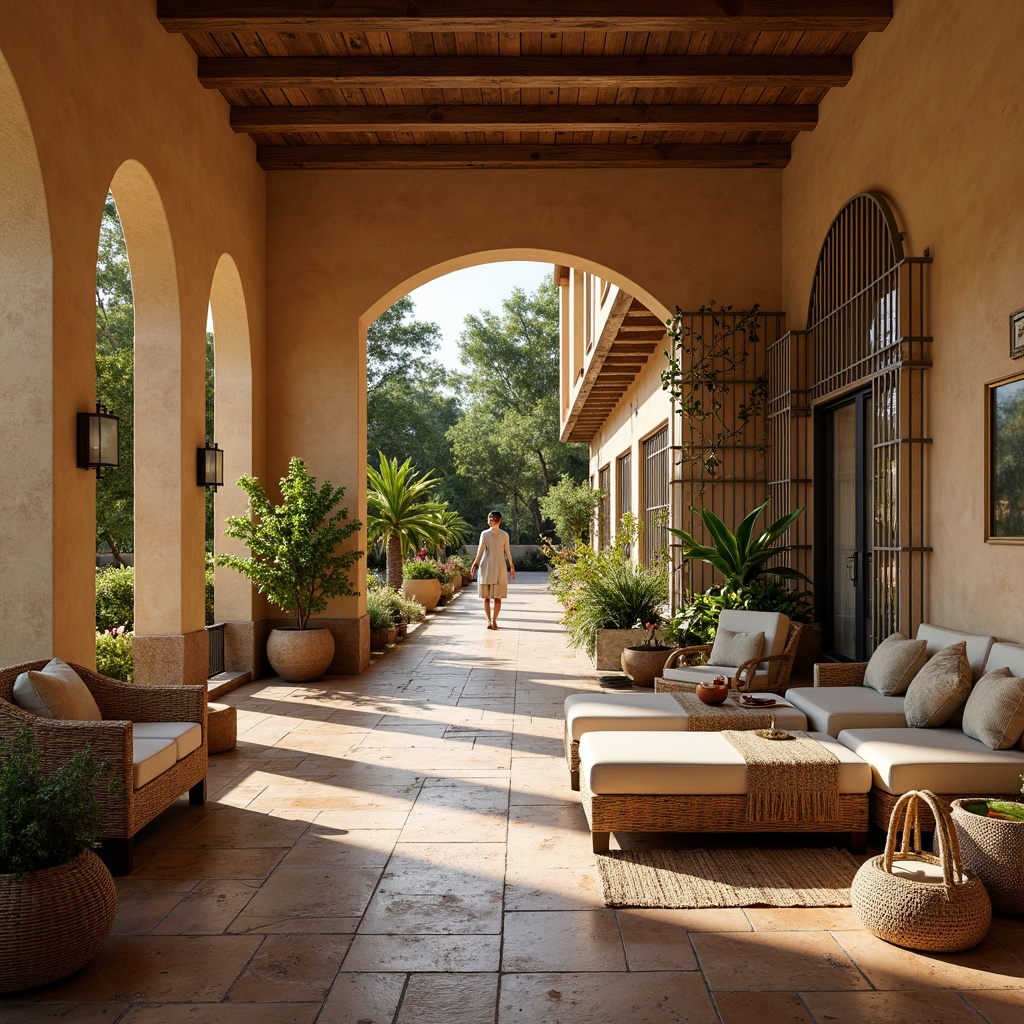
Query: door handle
x,y
851,566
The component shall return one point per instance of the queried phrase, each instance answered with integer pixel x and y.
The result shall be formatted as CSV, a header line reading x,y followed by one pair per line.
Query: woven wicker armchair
x,y
124,812
839,673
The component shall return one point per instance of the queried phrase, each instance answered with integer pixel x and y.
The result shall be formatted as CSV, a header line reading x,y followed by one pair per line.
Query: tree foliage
x,y
294,558
571,506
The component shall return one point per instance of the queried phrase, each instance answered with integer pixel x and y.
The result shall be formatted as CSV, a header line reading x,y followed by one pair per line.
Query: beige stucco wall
x,y
105,88
933,119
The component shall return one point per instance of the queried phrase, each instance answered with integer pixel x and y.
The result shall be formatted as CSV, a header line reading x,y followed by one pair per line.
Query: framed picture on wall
x,y
1005,450
1017,334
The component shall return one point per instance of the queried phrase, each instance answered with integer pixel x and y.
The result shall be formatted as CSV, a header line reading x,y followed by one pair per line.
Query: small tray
x,y
774,734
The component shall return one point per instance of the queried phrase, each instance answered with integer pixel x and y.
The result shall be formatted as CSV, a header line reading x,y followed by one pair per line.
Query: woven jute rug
x,y
727,878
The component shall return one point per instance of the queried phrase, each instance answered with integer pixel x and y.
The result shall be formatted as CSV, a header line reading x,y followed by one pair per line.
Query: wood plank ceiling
x,y
333,84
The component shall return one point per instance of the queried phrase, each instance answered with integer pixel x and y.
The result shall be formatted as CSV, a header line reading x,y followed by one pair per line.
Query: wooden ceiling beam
x,y
494,118
525,16
293,158
716,71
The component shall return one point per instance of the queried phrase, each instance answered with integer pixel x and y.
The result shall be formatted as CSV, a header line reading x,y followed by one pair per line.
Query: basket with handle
x,y
921,900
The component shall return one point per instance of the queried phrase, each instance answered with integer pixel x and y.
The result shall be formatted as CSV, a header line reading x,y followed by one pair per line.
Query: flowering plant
x,y
651,640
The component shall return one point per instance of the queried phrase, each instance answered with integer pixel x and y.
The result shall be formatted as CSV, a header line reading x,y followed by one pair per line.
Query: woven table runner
x,y
716,717
788,780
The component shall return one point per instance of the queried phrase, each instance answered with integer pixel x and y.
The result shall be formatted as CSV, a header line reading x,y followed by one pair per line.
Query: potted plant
x,y
421,579
643,663
379,607
294,560
57,898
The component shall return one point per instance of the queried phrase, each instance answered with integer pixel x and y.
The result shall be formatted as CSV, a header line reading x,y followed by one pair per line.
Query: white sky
x,y
448,300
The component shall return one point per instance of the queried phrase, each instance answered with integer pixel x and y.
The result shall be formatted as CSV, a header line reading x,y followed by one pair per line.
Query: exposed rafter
x,y
291,158
523,72
525,16
558,118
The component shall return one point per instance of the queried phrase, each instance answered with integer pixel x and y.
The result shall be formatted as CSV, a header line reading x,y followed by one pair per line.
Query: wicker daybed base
x,y
642,812
882,804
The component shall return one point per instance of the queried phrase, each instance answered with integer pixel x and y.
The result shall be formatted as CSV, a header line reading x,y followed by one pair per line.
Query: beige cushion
x,y
150,758
832,709
733,649
761,680
994,713
186,735
687,763
1005,655
939,690
978,646
942,760
895,662
56,691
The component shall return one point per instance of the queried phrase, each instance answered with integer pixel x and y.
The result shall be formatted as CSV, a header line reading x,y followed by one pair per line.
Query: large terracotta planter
x,y
457,580
610,645
427,592
644,664
300,655
54,921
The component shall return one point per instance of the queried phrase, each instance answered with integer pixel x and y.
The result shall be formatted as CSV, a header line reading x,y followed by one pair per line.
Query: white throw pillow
x,y
730,650
56,691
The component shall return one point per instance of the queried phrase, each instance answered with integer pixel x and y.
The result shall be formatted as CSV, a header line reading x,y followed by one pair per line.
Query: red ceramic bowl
x,y
712,693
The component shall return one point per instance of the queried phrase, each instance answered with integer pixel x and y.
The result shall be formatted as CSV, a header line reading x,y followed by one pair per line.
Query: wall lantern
x,y
210,466
97,440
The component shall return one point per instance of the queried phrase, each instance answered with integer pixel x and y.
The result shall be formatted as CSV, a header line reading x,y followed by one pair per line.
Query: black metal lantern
x,y
210,466
97,440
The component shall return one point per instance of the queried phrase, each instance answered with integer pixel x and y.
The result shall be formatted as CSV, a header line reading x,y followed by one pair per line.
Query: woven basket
x,y
994,851
939,917
54,921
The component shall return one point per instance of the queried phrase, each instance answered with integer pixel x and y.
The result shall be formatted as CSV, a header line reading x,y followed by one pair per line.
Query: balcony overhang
x,y
631,334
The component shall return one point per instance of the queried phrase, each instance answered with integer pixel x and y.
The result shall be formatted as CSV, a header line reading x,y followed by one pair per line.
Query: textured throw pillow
x,y
56,691
936,693
894,664
995,710
731,649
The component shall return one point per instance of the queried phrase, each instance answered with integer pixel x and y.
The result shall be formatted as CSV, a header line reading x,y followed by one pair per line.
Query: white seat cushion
x,y
645,712
832,709
942,760
691,763
150,758
186,735
978,646
1003,655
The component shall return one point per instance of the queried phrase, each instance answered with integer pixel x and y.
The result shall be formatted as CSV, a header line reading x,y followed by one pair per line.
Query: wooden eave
x,y
332,84
619,356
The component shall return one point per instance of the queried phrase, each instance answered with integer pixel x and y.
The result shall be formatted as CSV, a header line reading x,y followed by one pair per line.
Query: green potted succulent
x,y
57,898
296,562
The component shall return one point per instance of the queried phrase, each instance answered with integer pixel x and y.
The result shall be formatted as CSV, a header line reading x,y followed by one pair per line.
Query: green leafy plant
x,y
422,568
114,653
571,506
743,556
532,561
47,818
294,558
402,512
115,597
380,609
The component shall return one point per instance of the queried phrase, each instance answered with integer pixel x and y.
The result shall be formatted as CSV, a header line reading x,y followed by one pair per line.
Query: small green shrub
x,y
409,609
422,569
114,654
115,597
46,819
380,609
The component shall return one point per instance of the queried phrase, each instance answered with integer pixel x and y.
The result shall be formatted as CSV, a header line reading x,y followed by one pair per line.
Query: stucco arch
x,y
233,426
26,389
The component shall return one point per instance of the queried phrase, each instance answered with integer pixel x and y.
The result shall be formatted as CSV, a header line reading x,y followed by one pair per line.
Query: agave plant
x,y
741,557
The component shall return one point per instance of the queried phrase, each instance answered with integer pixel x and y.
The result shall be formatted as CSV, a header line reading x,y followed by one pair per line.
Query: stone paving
x,y
403,847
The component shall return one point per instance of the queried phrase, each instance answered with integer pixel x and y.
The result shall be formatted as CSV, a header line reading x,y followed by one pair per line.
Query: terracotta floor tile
x,y
216,863
423,953
529,887
209,908
157,969
656,940
291,968
889,967
932,1007
231,828
562,940
770,1007
792,919
59,1013
1005,1007
449,999
775,961
141,914
224,1013
363,999
328,844
394,913
597,998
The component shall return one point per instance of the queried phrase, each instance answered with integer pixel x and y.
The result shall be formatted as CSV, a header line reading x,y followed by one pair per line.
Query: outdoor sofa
x,y
153,737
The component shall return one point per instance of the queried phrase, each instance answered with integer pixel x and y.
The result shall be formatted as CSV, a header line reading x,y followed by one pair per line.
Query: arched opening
x,y
26,390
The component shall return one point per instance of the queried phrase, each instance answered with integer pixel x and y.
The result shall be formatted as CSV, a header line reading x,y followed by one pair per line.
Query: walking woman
x,y
491,558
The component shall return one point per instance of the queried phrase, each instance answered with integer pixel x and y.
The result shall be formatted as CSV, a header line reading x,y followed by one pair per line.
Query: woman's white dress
x,y
492,574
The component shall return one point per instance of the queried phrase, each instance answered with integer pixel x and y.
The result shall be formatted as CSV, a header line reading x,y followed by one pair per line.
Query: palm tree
x,y
455,530
401,511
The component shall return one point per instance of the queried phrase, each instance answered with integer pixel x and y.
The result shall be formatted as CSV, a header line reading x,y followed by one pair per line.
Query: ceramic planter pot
x,y
378,639
427,592
644,664
54,921
300,655
610,644
457,581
